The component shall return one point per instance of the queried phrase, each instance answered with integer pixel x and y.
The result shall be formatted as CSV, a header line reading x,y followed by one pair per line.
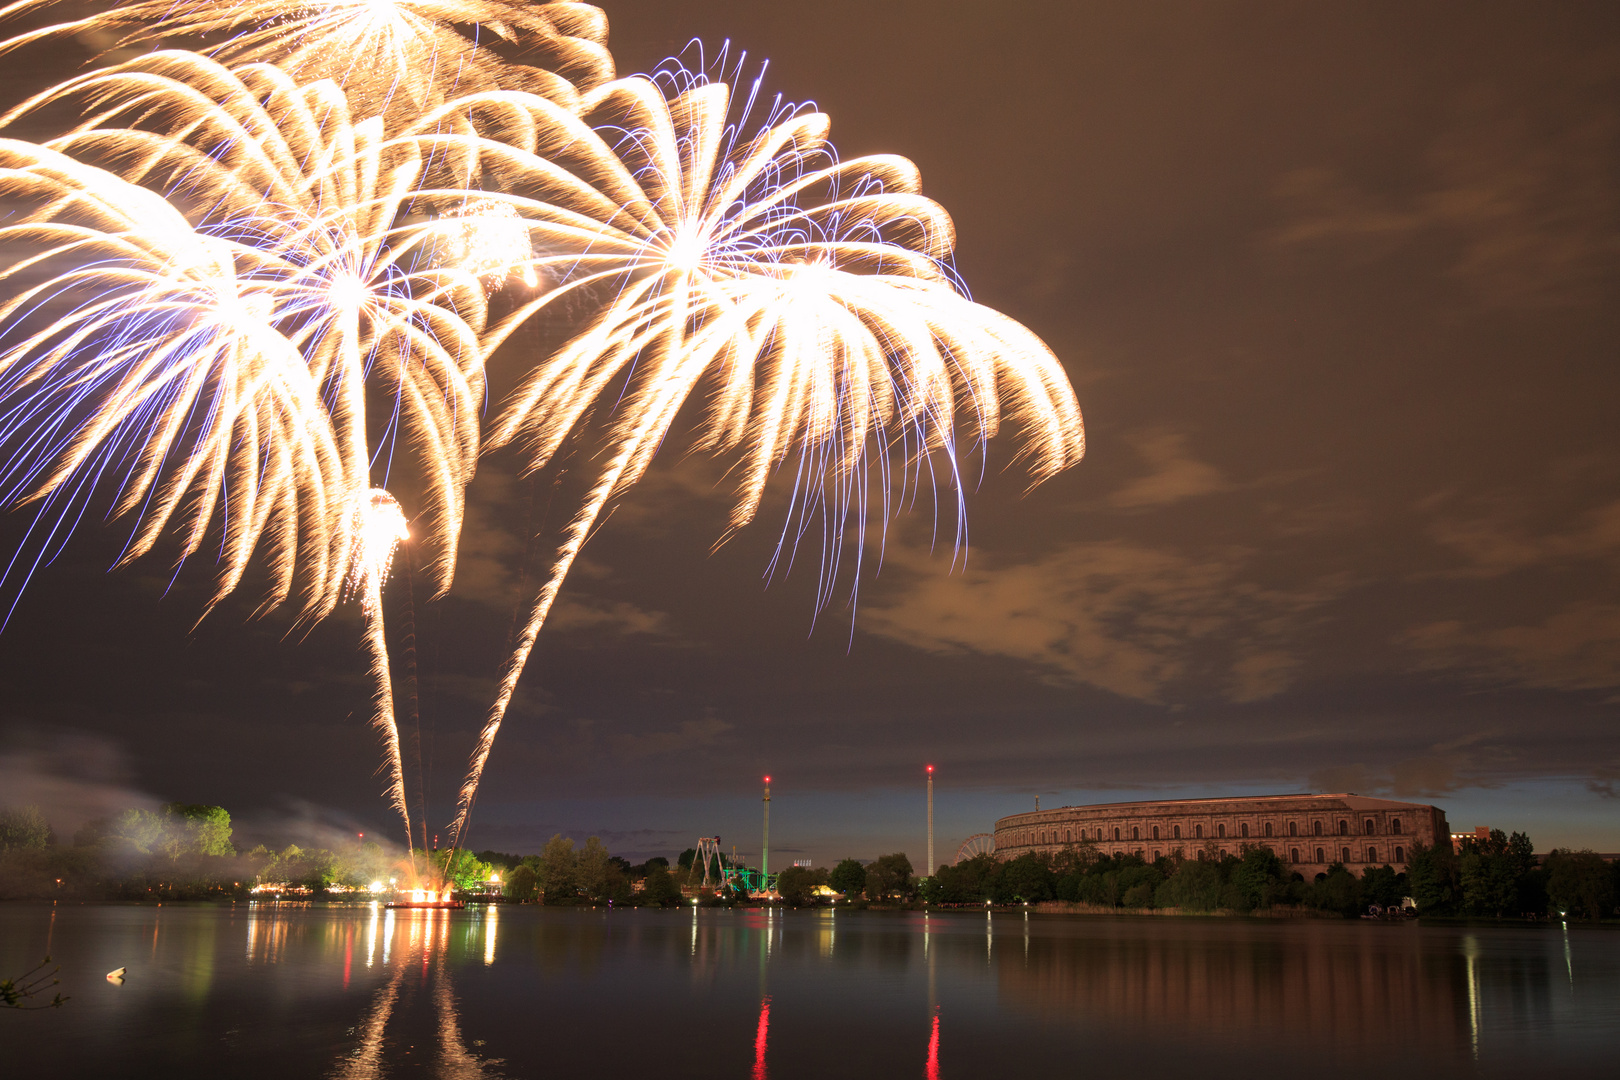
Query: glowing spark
x,y
380,528
490,241
812,296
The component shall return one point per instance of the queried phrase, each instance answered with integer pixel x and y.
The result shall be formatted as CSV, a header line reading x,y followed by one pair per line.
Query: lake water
x,y
265,990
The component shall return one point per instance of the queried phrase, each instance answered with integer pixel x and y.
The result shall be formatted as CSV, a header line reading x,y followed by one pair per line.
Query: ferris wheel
x,y
978,844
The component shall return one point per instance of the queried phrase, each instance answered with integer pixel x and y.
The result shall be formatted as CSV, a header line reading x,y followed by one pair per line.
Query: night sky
x,y
1336,289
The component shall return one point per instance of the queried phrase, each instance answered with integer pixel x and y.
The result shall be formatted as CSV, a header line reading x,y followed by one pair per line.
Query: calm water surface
x,y
263,990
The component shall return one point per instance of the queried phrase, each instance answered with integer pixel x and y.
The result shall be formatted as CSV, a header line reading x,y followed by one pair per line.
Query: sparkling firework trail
x,y
379,528
812,295
383,53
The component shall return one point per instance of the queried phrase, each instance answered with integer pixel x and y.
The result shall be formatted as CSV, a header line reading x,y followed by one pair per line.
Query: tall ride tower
x,y
928,870
765,858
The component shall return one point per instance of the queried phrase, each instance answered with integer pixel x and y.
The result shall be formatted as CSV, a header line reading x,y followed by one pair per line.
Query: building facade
x,y
1307,832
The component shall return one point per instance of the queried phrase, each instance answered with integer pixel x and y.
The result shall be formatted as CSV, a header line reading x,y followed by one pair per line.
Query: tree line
x,y
185,851
1498,877
181,851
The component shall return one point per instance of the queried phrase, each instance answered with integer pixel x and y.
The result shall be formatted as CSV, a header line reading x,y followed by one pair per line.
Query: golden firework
x,y
383,53
812,297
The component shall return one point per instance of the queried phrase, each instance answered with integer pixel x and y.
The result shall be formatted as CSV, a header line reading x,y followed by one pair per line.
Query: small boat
x,y
116,975
448,905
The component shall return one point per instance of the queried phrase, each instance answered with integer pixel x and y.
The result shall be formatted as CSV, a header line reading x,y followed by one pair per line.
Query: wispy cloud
x,y
1174,474
1576,648
1137,621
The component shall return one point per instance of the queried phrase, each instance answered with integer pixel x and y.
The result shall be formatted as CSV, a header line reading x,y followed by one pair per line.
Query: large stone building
x,y
1308,832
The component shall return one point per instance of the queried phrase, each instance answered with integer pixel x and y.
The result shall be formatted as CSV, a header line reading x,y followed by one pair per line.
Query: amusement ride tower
x,y
928,867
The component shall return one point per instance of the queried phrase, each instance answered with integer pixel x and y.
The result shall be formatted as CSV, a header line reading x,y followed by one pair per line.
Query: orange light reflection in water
x,y
425,937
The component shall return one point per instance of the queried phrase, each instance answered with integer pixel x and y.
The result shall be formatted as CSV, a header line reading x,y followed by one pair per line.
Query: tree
x,y
140,830
660,890
1381,885
1337,891
521,883
23,827
1256,874
1580,884
592,866
887,875
797,884
1027,879
500,859
1431,874
849,876
468,871
195,829
559,872
1195,886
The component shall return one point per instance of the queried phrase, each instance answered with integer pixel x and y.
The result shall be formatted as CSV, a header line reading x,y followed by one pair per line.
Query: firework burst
x,y
313,206
381,52
812,297
140,358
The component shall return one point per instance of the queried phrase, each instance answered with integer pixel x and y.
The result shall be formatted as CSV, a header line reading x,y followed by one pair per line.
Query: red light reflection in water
x,y
759,1037
931,1072
348,953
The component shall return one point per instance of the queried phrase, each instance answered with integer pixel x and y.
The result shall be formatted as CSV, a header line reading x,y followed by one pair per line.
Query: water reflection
x,y
761,1038
1325,984
419,971
361,992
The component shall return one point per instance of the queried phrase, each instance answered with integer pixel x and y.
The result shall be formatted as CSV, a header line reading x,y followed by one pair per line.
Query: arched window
x,y
1369,824
1136,834
1293,828
1372,854
1344,827
1243,829
1400,854
1395,826
1344,854
1177,832
1116,832
1200,856
1155,854
1198,831
1155,836
1293,854
1220,830
1321,856
1318,827
1268,828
